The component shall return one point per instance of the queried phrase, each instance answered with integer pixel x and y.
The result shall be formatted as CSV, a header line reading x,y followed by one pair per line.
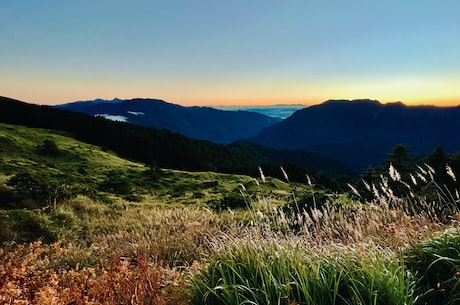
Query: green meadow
x,y
80,225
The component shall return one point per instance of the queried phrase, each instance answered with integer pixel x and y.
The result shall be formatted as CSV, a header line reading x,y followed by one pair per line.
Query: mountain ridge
x,y
198,122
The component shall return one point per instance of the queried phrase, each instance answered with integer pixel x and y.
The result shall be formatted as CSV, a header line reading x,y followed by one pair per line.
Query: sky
x,y
238,52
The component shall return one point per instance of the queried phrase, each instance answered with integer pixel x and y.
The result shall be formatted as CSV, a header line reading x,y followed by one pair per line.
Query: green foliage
x,y
37,180
266,273
29,188
308,198
436,264
259,272
32,191
303,200
153,172
24,226
7,232
438,160
116,182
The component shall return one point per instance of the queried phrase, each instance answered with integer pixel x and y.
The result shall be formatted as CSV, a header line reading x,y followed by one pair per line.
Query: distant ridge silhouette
x,y
360,133
203,123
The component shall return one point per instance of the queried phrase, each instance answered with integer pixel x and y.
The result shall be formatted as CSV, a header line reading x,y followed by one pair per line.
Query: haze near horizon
x,y
218,53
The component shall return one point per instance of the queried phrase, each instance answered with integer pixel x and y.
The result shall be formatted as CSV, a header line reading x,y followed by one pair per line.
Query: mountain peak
x,y
349,102
100,100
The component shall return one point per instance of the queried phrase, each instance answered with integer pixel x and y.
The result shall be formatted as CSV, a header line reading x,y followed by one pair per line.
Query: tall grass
x,y
278,249
172,236
281,271
340,251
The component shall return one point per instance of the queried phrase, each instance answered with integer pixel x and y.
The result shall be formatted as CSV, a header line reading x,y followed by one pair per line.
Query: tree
x,y
401,158
438,160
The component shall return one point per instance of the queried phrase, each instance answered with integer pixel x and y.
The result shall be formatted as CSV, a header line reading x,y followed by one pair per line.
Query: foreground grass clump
x,y
436,262
288,272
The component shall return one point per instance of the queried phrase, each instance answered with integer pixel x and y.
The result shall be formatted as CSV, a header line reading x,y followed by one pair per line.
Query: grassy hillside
x,y
41,168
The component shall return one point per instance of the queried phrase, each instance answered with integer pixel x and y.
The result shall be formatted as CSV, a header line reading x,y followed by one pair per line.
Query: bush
x,y
6,197
48,148
153,172
232,200
117,183
304,201
28,226
33,191
27,278
28,186
6,233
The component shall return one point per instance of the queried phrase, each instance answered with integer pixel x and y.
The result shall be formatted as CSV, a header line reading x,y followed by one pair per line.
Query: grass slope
x,y
33,177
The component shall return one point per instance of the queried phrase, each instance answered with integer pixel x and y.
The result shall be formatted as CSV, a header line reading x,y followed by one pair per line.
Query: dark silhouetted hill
x,y
202,123
361,133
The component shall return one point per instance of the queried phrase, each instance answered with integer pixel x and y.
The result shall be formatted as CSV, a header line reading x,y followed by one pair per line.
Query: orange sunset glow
x,y
231,54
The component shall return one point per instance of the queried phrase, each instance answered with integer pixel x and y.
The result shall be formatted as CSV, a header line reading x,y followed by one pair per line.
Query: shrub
x,y
6,233
117,183
28,186
48,148
27,226
7,197
305,200
33,191
232,200
26,278
153,172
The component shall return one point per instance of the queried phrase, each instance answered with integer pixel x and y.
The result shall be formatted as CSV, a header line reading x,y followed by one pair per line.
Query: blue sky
x,y
213,52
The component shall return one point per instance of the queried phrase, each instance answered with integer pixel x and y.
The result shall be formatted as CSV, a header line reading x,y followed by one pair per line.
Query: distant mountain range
x,y
361,133
337,135
203,123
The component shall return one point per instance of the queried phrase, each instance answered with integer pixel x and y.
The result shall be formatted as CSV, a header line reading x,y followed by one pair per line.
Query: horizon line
x,y
449,103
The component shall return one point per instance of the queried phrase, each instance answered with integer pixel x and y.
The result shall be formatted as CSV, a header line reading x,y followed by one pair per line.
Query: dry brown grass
x,y
176,237
392,228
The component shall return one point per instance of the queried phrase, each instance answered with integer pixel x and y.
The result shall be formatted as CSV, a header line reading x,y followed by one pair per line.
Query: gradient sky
x,y
238,52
